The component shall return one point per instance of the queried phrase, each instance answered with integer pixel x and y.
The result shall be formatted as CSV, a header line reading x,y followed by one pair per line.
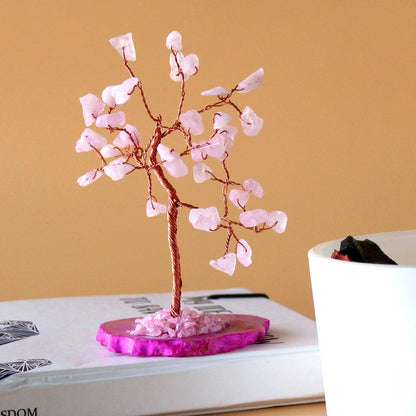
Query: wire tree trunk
x,y
172,218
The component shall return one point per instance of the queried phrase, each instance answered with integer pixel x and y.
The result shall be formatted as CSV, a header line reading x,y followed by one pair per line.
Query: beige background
x,y
337,151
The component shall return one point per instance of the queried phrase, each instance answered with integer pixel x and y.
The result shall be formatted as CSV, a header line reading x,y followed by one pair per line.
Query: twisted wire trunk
x,y
172,217
174,257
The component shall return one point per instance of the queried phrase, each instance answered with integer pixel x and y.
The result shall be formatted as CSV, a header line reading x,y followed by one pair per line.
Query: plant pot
x,y
366,323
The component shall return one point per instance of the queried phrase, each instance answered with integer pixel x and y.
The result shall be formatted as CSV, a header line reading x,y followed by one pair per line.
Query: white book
x,y
51,364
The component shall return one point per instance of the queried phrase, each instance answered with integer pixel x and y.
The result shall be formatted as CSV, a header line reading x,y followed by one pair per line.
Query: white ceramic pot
x,y
366,323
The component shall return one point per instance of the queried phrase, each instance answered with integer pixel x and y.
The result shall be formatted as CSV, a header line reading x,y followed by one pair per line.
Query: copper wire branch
x,y
103,161
225,188
140,86
223,100
227,241
182,75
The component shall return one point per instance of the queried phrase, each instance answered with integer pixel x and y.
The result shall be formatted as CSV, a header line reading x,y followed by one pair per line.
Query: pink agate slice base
x,y
242,330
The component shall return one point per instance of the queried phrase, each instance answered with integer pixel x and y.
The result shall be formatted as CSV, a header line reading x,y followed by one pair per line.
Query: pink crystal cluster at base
x,y
242,330
188,324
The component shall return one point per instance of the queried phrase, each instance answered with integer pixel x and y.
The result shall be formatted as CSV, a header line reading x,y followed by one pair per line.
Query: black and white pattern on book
x,y
21,366
11,331
270,339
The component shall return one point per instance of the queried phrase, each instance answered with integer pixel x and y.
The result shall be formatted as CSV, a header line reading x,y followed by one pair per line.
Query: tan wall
x,y
337,151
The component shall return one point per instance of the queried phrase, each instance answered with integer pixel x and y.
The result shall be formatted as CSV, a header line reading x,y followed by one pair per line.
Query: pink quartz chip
x,y
277,220
253,81
88,140
153,208
123,92
221,119
117,170
219,91
174,41
238,197
242,330
251,123
110,151
244,252
189,323
225,264
253,218
192,122
202,172
111,120
205,219
252,186
92,107
89,177
190,64
124,46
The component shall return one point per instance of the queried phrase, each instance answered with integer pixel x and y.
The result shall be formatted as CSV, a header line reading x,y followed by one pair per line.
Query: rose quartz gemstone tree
x,y
129,152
